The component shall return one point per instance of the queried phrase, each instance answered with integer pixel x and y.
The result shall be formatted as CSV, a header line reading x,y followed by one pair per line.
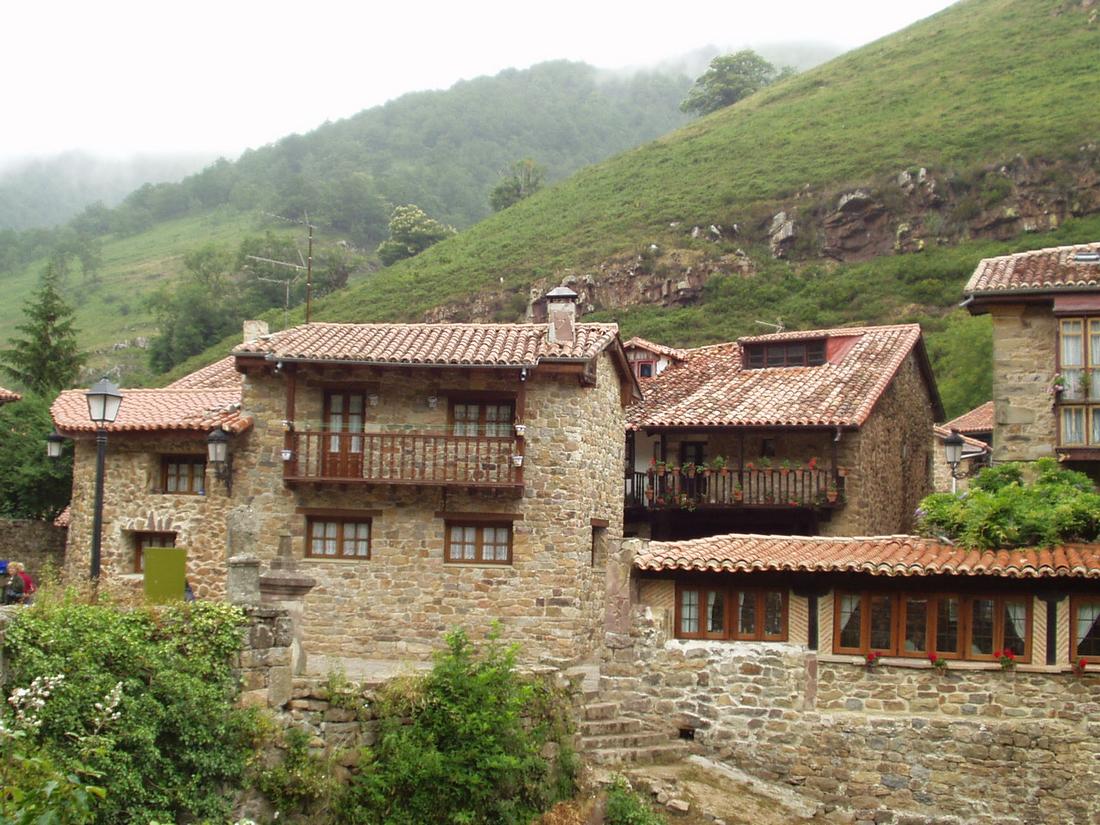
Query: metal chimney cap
x,y
561,293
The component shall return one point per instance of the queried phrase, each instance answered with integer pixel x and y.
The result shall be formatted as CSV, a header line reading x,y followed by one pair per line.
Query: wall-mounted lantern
x,y
219,457
54,442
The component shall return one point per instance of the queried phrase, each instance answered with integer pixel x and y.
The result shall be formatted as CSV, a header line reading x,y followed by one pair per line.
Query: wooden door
x,y
343,443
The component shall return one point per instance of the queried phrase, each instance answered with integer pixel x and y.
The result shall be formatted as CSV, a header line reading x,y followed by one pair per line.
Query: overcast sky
x,y
122,76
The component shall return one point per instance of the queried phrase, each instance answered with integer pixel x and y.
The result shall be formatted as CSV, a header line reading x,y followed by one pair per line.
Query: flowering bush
x,y
937,661
872,658
1006,658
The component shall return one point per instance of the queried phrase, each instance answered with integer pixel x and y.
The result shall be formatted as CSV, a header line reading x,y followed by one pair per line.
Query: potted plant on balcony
x,y
812,463
784,467
764,463
832,493
719,463
738,493
649,493
689,469
659,466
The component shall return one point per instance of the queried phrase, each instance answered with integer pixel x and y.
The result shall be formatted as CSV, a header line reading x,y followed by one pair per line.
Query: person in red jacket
x,y
16,569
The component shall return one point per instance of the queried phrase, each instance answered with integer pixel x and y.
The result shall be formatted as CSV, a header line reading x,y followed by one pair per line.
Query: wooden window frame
x,y
1091,406
191,460
645,362
761,355
1075,603
481,401
340,521
729,594
479,546
139,548
897,621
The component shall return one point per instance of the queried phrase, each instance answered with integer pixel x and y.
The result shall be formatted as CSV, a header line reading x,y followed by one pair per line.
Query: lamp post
x,y
104,399
952,451
217,453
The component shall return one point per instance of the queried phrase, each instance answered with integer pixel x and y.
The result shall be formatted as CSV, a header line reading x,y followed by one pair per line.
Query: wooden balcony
x,y
405,458
761,487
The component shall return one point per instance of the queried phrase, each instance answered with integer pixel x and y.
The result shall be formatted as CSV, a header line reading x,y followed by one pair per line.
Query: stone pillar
x,y
620,561
285,587
243,582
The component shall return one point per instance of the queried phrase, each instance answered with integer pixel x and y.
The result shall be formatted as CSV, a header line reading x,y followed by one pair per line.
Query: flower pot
x,y
831,496
521,430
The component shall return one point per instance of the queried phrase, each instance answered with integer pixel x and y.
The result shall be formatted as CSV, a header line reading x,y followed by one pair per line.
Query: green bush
x,y
625,807
1003,510
146,704
464,746
302,783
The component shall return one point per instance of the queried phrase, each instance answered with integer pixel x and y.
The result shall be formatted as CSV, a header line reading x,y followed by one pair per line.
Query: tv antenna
x,y
286,282
308,261
778,326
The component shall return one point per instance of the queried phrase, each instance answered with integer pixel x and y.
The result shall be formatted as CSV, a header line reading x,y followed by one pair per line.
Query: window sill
x,y
479,565
923,664
322,560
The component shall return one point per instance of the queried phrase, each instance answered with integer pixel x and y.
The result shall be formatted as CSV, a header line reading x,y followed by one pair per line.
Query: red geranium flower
x,y
997,654
932,657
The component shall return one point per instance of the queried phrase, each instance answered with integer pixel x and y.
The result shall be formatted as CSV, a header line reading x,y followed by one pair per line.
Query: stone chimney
x,y
254,330
561,311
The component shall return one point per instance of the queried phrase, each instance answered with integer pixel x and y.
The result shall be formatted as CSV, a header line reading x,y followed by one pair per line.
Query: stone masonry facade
x,y
899,743
37,544
398,604
1024,357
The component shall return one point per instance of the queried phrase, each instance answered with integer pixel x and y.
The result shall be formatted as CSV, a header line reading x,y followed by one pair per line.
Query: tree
x,y
525,180
730,78
47,359
411,232
31,484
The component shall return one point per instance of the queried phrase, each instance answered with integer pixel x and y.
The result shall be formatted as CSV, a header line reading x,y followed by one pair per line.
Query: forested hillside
x,y
47,191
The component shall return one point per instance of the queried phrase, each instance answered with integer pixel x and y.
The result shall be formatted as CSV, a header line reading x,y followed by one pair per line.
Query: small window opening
x,y
687,734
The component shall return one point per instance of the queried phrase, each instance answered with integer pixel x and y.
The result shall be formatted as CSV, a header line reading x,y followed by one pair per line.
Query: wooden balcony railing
x,y
404,458
769,487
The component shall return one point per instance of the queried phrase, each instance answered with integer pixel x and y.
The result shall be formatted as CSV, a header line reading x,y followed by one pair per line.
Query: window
x,y
1084,627
338,538
949,625
143,541
1079,364
645,369
492,419
479,543
748,614
784,354
182,473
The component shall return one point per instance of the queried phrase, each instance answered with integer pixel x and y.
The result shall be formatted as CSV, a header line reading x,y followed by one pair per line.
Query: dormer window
x,y
784,354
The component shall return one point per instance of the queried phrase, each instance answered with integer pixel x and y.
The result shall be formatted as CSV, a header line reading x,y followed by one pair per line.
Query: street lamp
x,y
104,399
54,442
217,453
953,452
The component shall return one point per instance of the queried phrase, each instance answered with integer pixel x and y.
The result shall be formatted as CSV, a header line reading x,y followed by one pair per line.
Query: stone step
x,y
606,727
601,710
621,741
651,754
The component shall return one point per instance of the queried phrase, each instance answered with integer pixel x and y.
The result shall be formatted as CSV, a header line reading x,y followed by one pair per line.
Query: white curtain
x,y
1072,358
1088,615
1016,618
1073,425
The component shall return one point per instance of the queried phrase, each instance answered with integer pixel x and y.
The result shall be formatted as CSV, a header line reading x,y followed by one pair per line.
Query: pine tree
x,y
47,359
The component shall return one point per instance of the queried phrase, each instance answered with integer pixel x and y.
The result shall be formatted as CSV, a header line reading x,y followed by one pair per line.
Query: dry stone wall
x,y
37,544
893,744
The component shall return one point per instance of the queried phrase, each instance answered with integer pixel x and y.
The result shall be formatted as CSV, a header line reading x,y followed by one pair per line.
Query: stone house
x,y
976,423
157,490
1045,307
649,359
975,457
755,648
425,476
810,432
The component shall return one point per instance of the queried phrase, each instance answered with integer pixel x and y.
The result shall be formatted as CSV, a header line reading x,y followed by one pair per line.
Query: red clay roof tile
x,y
875,555
942,431
221,374
8,395
154,410
710,388
494,345
977,420
1041,269
651,346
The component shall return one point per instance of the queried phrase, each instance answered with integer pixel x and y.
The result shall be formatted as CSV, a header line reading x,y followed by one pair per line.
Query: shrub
x,y
1003,510
625,807
463,745
302,783
178,741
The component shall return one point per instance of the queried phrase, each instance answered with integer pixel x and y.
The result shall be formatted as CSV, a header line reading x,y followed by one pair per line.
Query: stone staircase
x,y
607,737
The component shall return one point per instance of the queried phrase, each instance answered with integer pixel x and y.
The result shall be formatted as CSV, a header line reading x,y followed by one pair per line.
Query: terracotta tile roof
x,y
659,349
220,374
495,345
65,517
710,389
942,431
1041,269
978,420
8,395
162,409
876,556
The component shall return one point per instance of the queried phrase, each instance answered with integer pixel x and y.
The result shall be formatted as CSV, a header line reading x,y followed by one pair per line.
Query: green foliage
x,y
32,485
462,746
177,742
625,807
524,180
730,78
1002,509
47,358
961,351
411,232
302,782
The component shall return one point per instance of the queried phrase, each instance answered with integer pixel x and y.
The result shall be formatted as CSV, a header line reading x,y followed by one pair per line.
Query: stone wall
x,y
36,544
981,745
397,604
1024,357
133,503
